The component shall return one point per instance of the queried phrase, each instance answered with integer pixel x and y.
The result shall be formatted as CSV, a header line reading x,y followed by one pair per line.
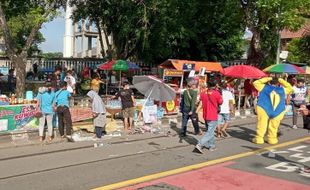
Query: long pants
x,y
185,118
49,119
295,114
264,123
209,136
98,132
64,118
306,122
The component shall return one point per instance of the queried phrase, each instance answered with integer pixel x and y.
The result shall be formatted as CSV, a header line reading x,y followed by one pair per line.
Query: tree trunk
x,y
20,66
255,55
106,37
100,38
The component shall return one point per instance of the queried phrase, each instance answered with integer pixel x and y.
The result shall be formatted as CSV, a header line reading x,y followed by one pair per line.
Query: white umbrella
x,y
154,88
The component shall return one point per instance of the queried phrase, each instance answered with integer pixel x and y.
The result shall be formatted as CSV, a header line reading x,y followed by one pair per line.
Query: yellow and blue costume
x,y
270,108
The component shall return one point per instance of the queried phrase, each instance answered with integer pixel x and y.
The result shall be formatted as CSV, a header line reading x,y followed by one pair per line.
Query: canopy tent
x,y
178,65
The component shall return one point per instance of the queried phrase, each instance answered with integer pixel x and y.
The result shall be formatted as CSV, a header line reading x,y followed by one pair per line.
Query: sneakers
x,y
294,127
69,138
199,148
212,149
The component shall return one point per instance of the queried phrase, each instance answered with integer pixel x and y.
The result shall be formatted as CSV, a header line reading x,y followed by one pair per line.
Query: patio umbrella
x,y
118,65
107,65
284,68
154,88
243,71
306,69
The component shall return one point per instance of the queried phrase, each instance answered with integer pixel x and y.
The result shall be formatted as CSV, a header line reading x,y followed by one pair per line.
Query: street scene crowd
x,y
210,99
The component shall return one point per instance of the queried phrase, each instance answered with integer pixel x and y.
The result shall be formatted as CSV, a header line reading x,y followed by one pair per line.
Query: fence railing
x,y
70,63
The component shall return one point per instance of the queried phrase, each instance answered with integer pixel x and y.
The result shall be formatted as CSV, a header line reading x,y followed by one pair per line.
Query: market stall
x,y
180,70
18,117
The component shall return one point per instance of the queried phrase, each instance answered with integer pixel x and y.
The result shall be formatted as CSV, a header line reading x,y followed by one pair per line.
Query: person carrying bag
x,y
189,109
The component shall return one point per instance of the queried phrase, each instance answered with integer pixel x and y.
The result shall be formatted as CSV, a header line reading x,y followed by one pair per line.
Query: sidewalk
x,y
169,127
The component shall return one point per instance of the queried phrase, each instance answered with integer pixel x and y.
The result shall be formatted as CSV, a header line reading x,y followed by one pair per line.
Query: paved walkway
x,y
279,166
170,126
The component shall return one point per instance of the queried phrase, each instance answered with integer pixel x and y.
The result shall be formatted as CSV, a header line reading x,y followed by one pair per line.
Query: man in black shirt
x,y
128,105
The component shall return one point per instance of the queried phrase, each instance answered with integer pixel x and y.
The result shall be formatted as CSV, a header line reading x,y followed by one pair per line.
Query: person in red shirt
x,y
210,100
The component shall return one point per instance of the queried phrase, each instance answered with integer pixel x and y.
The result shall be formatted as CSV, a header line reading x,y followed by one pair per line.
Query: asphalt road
x,y
81,166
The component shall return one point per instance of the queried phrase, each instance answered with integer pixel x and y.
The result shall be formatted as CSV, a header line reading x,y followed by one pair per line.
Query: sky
x,y
53,33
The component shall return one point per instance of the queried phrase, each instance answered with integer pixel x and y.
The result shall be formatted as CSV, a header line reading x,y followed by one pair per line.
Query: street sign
x,y
173,73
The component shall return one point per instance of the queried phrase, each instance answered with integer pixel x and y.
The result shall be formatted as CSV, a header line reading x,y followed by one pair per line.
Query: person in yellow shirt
x,y
95,84
270,107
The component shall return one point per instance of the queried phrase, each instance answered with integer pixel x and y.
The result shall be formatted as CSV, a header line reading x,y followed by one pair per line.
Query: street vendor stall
x,y
181,69
18,117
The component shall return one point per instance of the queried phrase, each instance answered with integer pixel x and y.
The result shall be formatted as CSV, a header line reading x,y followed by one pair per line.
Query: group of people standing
x,y
217,103
53,101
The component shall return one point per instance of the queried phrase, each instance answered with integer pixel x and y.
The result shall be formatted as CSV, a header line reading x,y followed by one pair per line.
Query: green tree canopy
x,y
155,30
20,22
265,18
299,50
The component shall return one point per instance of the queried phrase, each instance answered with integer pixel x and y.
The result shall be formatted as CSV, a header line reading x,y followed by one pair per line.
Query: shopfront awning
x,y
179,65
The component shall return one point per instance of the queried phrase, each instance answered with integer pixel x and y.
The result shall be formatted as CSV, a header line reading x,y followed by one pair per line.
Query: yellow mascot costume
x,y
270,107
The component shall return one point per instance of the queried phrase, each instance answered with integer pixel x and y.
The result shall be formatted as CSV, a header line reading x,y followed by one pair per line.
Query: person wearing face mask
x,y
298,98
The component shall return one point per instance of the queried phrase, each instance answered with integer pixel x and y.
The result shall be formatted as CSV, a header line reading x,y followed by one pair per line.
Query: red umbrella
x,y
107,65
243,71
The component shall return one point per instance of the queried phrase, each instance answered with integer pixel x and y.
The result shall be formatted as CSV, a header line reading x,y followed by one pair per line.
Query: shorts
x,y
128,112
223,118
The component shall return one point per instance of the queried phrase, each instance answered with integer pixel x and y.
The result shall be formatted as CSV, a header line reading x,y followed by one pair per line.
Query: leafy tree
x,y
20,22
51,55
299,50
265,18
155,30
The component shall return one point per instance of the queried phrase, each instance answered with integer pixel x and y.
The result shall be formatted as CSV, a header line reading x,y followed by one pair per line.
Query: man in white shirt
x,y
226,111
298,98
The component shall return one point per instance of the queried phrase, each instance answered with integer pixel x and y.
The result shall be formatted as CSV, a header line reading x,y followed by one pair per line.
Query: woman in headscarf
x,y
98,112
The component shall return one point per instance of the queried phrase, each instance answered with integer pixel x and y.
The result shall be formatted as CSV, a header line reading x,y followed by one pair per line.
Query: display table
x,y
113,111
80,113
18,117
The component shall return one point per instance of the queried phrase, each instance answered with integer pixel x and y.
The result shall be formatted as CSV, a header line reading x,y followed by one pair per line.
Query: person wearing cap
x,y
189,108
128,105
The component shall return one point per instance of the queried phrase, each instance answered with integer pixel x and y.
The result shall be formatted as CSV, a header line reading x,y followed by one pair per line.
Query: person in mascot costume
x,y
270,107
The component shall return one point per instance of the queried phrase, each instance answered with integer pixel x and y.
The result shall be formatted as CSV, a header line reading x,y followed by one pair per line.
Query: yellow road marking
x,y
196,166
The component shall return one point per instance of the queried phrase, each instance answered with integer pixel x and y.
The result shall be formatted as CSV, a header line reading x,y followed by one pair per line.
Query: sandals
x,y
225,134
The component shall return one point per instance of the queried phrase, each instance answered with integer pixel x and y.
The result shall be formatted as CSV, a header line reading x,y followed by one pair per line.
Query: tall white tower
x,y
68,38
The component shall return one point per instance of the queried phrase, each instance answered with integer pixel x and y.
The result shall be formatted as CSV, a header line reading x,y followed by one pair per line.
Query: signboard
x,y
4,70
188,66
18,117
173,73
150,114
